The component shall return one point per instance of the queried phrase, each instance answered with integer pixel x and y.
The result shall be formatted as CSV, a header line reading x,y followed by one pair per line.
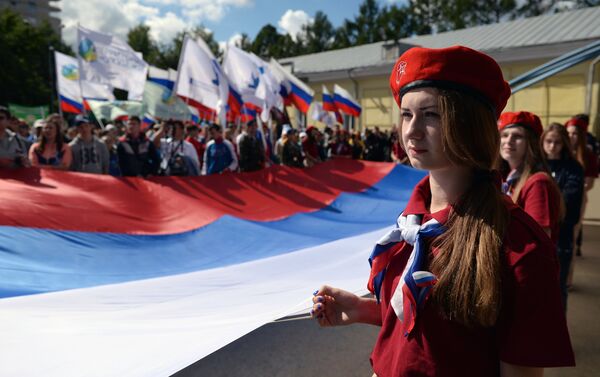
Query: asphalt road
x,y
300,348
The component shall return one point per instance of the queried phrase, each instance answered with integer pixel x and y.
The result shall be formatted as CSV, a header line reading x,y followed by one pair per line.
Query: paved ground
x,y
300,348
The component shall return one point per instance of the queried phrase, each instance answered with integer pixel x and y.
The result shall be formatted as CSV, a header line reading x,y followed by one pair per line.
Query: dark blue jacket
x,y
568,174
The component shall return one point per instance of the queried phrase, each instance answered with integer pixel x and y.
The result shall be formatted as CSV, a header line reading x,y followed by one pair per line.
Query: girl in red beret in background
x,y
466,284
577,131
568,174
527,178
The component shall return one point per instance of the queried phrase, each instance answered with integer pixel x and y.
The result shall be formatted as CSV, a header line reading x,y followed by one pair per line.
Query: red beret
x,y
458,67
521,118
577,122
309,129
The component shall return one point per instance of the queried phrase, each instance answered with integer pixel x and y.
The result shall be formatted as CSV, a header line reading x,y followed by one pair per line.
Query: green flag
x,y
160,103
28,113
109,110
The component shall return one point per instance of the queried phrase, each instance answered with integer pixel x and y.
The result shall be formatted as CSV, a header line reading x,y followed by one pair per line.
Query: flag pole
x,y
80,78
53,80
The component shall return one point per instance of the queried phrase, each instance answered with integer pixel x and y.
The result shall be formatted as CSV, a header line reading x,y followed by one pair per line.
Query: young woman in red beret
x,y
467,283
568,174
527,178
577,131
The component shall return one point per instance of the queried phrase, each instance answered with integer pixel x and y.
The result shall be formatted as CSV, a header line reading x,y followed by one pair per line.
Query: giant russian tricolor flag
x,y
105,276
345,102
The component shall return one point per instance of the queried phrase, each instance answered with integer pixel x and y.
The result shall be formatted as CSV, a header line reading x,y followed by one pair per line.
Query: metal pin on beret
x,y
521,118
457,68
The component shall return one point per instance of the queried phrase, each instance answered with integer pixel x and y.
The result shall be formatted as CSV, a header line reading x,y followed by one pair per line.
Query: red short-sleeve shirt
x,y
531,330
540,199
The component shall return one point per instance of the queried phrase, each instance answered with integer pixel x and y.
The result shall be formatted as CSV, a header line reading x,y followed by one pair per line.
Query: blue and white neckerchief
x,y
512,178
415,284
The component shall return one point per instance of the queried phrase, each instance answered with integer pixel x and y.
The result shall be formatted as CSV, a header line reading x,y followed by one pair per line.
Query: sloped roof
x,y
536,37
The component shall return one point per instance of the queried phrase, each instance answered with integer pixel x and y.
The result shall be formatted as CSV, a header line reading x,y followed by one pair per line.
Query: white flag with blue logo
x,y
243,75
72,90
268,88
200,81
106,59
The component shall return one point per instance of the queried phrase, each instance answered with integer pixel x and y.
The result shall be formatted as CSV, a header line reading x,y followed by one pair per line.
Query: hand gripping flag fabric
x,y
105,276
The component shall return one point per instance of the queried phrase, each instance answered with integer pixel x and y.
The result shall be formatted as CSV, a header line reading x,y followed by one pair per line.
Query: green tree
x,y
425,15
290,47
495,10
533,8
169,53
140,40
318,35
25,73
367,26
267,42
344,35
245,42
395,23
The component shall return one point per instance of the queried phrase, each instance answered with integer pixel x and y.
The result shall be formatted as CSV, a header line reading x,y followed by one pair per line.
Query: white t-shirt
x,y
170,147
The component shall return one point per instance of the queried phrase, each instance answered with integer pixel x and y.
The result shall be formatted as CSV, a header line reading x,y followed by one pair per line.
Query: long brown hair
x,y
533,162
579,149
468,263
58,139
566,153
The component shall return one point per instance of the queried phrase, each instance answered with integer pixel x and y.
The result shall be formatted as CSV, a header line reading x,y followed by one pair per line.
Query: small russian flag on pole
x,y
345,102
147,121
328,104
68,105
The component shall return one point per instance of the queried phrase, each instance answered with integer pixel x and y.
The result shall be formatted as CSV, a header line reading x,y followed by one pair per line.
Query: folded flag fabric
x,y
155,274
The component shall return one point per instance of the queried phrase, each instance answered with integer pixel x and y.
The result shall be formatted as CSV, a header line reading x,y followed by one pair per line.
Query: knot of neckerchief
x,y
415,284
511,180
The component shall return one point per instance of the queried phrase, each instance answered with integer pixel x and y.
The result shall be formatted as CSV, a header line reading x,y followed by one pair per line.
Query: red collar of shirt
x,y
419,202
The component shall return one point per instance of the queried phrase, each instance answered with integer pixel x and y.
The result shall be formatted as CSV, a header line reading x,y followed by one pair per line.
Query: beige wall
x,y
554,99
557,98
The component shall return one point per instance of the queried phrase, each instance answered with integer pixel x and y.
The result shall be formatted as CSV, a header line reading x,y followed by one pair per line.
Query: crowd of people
x,y
177,148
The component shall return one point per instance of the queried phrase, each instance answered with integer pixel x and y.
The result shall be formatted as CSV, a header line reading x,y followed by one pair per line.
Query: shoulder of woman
x,y
537,181
540,176
524,238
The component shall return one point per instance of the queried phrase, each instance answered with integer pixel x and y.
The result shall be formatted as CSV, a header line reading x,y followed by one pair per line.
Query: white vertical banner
x,y
70,85
243,75
268,88
200,80
221,82
106,59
